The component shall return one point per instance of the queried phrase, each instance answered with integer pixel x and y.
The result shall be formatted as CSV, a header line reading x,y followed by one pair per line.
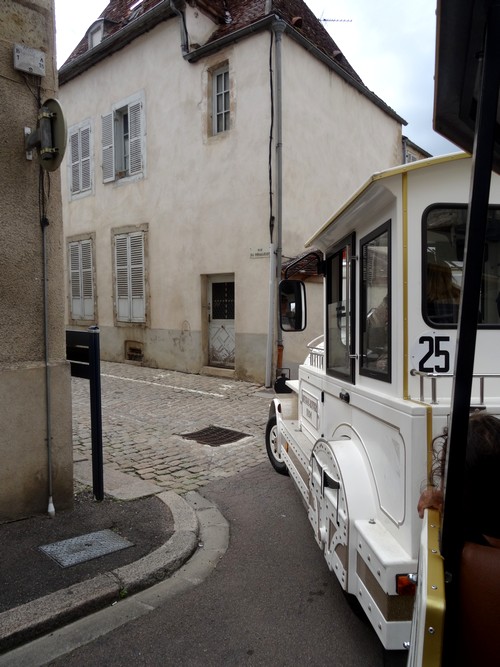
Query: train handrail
x,y
434,376
316,354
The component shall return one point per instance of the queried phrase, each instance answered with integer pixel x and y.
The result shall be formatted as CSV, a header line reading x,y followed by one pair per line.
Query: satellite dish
x,y
50,136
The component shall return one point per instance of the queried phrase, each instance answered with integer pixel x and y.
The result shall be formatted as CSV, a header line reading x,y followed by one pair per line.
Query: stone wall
x,y
33,375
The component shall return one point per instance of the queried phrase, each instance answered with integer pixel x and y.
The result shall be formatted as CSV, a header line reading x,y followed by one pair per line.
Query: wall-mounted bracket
x,y
27,132
49,138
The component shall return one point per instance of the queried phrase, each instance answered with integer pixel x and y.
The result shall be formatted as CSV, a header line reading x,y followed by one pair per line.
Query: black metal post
x,y
96,413
471,285
477,217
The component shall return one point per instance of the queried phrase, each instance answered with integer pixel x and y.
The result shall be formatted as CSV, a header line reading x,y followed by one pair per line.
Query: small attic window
x,y
95,34
135,9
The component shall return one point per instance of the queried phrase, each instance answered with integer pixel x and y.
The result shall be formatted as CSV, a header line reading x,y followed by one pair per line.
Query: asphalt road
x,y
270,601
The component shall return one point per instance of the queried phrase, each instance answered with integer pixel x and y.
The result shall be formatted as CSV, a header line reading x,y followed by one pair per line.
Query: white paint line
x,y
164,386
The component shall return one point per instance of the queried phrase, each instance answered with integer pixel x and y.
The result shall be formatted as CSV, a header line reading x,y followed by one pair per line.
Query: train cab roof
x,y
373,196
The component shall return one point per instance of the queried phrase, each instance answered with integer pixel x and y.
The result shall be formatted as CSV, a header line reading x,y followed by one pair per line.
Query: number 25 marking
x,y
435,350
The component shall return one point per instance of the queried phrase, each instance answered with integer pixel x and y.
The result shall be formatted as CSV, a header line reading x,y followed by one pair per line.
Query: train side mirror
x,y
292,304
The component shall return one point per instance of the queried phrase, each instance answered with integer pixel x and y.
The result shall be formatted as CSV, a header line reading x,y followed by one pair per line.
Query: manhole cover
x,y
85,547
214,436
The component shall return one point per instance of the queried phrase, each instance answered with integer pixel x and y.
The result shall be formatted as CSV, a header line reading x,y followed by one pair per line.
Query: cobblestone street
x,y
145,413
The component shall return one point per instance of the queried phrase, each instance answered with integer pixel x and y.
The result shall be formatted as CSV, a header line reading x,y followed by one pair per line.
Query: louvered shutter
x,y
86,181
130,287
87,279
137,277
122,278
74,144
75,285
108,148
135,139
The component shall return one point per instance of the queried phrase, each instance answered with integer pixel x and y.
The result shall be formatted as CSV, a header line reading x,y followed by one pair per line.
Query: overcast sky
x,y
390,44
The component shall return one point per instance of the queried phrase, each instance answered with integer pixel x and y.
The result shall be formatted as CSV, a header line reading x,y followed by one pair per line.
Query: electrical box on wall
x,y
29,60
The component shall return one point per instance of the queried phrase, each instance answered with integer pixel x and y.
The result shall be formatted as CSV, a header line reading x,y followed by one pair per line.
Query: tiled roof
x,y
232,15
116,16
296,13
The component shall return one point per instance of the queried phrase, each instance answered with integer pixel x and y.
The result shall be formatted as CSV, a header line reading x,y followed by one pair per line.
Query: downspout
x,y
44,223
184,32
272,314
48,407
279,27
271,321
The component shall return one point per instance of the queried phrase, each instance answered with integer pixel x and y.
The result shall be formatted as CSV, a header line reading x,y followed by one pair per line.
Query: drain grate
x,y
85,547
214,436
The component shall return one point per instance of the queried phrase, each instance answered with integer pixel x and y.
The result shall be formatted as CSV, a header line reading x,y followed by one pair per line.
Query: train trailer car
x,y
355,431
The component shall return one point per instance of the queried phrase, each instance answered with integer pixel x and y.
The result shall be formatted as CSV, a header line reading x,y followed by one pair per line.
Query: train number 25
x,y
436,353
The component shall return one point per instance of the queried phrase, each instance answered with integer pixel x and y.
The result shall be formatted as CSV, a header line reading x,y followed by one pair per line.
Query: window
x,y
95,34
375,311
220,100
129,277
80,165
123,149
135,9
443,246
340,311
81,280
223,301
410,157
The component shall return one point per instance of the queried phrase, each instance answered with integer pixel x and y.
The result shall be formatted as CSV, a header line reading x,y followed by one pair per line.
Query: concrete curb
x,y
47,613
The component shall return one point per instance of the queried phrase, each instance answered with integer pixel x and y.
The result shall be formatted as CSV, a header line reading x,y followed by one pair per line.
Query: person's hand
x,y
430,498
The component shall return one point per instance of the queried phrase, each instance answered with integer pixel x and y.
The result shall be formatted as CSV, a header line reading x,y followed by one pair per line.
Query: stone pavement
x,y
146,411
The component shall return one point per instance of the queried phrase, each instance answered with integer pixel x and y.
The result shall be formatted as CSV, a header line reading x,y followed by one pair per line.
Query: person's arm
x,y
430,498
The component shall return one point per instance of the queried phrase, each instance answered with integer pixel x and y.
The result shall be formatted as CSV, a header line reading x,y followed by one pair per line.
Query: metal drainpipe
x,y
272,314
50,509
279,28
184,33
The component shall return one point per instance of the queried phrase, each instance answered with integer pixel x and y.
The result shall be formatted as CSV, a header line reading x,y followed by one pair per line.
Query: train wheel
x,y
272,447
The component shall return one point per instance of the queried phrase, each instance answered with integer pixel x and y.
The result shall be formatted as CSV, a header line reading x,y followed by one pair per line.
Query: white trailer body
x,y
356,431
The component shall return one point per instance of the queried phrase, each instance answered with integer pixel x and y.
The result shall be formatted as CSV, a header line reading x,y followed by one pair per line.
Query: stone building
x,y
36,469
208,140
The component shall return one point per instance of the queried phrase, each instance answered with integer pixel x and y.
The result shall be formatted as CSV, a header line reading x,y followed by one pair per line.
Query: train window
x,y
375,306
443,248
340,311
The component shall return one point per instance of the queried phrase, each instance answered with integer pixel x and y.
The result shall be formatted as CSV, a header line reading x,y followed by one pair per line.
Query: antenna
x,y
335,20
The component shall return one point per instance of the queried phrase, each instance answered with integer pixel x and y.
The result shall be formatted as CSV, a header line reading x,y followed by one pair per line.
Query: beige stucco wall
x,y
334,139
23,437
205,200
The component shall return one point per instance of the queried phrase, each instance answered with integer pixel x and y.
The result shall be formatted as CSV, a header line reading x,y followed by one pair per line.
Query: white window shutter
x,y
108,148
130,286
138,305
135,128
74,146
75,285
85,155
81,280
122,278
87,279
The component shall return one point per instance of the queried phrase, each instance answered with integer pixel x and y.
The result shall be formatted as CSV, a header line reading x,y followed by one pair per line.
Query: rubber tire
x,y
271,434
